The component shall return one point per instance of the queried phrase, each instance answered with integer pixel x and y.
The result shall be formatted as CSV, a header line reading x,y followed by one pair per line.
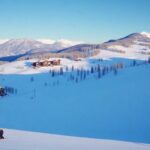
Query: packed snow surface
x,y
112,107
20,140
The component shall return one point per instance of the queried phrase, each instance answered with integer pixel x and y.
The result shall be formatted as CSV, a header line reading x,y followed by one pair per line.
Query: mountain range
x,y
29,48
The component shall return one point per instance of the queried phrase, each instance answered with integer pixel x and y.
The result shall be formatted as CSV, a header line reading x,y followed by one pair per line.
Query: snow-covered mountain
x,y
22,46
62,42
139,42
46,41
19,46
140,39
59,44
146,34
3,41
134,43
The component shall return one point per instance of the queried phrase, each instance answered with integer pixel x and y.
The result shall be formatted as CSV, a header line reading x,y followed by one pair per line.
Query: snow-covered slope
x,y
21,140
136,43
133,45
146,34
46,41
25,66
138,39
3,41
63,43
19,46
112,107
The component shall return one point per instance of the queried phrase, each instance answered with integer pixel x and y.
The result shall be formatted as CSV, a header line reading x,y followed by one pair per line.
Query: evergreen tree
x,y
134,63
92,70
149,60
72,68
115,71
61,71
32,79
53,73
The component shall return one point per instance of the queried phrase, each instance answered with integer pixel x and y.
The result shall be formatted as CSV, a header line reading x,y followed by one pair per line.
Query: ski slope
x,y
116,106
113,107
21,140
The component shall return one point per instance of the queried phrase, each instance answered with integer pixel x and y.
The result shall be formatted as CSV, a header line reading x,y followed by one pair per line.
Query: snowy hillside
x,y
3,41
137,43
105,96
146,34
20,140
18,46
22,46
114,105
25,66
131,41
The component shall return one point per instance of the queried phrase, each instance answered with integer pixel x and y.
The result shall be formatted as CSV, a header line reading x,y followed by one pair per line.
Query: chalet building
x,y
76,59
46,63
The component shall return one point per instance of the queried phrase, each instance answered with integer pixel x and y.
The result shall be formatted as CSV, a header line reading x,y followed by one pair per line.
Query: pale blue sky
x,y
83,20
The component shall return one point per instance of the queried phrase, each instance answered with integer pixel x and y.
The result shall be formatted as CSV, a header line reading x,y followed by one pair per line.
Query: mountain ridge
x,y
63,48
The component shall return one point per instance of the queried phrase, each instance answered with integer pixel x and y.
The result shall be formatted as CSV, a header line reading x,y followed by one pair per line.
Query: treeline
x,y
97,72
10,90
77,75
139,63
7,90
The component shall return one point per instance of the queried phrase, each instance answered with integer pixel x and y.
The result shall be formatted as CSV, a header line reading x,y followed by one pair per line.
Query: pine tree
x,y
115,71
67,69
53,73
84,75
61,71
134,63
32,79
92,70
76,80
72,68
149,60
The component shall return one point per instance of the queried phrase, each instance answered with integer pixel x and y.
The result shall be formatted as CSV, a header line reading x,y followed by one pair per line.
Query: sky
x,y
91,21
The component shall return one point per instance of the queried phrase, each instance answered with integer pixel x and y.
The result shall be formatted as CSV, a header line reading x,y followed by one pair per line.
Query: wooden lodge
x,y
46,63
